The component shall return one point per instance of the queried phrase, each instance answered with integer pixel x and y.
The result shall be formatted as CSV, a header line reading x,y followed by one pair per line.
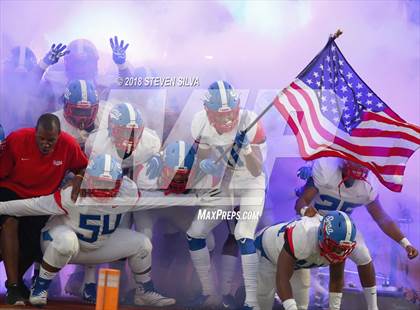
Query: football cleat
x,y
146,295
89,293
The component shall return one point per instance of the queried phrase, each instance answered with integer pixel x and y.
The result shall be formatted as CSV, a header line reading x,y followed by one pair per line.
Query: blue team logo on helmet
x,y
336,236
125,126
103,176
80,104
222,106
178,159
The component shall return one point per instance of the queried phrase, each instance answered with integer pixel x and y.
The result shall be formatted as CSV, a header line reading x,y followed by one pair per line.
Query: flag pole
x,y
338,33
334,36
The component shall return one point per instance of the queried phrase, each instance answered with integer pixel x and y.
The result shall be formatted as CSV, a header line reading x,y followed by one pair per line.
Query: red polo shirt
x,y
29,173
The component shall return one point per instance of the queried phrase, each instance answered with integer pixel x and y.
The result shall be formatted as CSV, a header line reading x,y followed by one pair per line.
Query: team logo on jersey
x,y
57,162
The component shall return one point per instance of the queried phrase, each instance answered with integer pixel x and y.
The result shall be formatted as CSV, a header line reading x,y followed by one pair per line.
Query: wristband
x,y
335,300
404,242
122,66
43,65
289,304
303,210
79,175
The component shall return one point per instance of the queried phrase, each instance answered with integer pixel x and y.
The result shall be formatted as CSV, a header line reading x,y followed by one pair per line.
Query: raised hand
x,y
118,50
55,53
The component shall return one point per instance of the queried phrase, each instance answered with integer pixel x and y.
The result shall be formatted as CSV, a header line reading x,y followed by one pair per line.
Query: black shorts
x,y
29,229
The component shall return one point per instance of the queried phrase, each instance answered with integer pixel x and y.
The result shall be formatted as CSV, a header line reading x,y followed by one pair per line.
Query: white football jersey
x,y
326,174
209,138
92,220
302,238
100,143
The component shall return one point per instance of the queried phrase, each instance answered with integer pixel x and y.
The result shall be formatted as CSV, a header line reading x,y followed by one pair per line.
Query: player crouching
x,y
86,232
286,249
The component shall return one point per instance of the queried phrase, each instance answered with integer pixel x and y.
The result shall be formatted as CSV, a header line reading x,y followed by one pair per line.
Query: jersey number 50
x,y
102,221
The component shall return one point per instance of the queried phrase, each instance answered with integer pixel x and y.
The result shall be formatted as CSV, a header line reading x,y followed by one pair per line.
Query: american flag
x,y
332,112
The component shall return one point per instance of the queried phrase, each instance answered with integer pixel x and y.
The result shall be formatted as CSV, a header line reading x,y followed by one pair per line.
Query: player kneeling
x,y
87,232
310,242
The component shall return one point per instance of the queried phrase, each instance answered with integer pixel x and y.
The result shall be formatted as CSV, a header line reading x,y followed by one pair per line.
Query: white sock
x,y
142,277
228,263
90,274
46,275
201,262
371,297
249,272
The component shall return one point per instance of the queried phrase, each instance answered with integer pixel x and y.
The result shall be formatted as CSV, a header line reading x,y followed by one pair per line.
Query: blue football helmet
x,y
82,61
336,236
222,106
125,127
21,60
103,176
178,159
80,104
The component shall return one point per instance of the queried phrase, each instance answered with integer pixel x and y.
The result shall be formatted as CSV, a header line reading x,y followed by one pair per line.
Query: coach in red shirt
x,y
33,164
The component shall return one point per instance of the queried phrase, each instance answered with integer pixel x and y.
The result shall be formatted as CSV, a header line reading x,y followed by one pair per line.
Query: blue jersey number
x,y
102,221
331,203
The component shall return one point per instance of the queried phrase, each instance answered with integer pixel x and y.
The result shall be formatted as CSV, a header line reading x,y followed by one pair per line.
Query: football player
x,y
87,232
132,144
81,63
286,249
126,138
81,104
217,127
338,184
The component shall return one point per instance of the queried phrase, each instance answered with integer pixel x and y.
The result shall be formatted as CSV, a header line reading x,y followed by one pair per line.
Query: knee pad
x,y
246,246
195,244
361,256
66,244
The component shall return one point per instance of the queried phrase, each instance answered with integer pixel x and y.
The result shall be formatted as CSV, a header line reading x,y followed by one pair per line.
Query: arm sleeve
x,y
45,205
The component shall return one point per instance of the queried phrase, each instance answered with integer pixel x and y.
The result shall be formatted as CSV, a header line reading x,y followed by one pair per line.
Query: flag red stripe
x,y
395,187
371,132
387,169
292,125
394,115
390,169
363,150
370,116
